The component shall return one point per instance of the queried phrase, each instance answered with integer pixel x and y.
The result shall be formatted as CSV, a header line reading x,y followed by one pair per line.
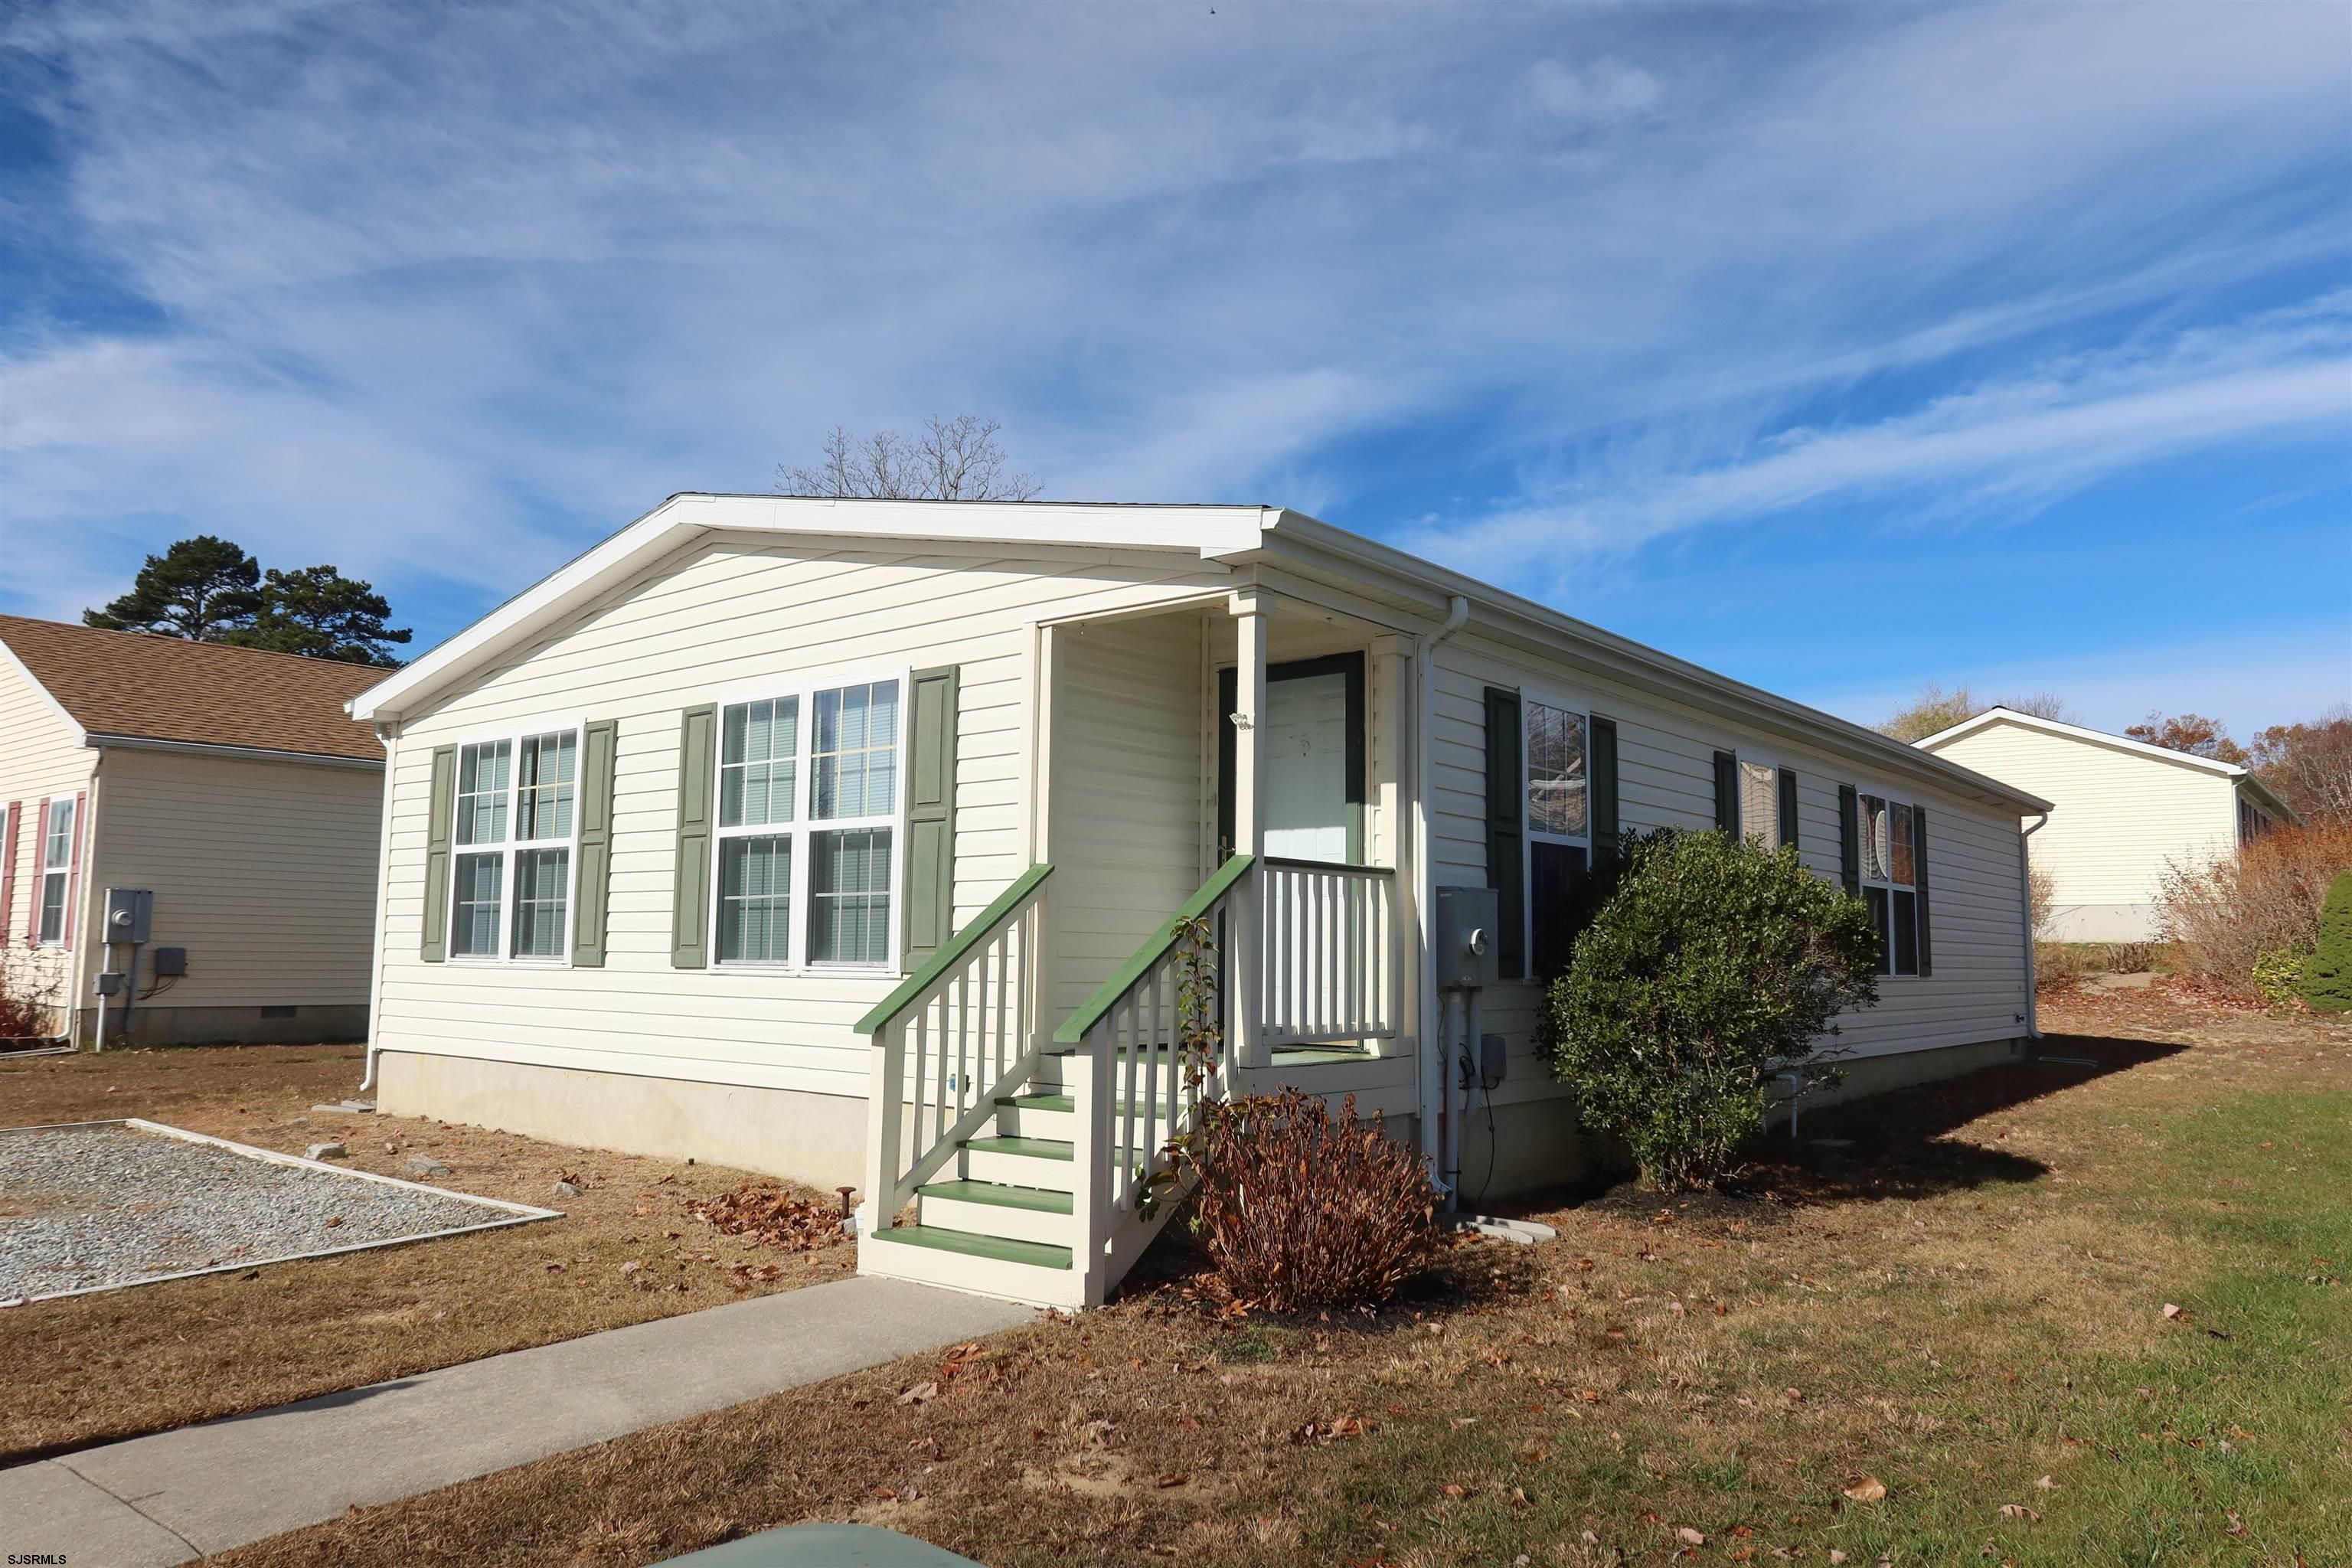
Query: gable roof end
x,y
134,686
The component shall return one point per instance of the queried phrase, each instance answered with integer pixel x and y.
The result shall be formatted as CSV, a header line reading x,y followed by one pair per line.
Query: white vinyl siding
x,y
266,872
774,616
40,757
2119,817
1666,778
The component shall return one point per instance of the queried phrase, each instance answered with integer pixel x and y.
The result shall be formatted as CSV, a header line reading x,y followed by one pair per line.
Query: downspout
x,y
1436,1095
2025,885
386,734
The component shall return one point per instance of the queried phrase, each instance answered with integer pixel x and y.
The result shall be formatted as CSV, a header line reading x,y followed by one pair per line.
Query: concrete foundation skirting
x,y
819,1139
153,1023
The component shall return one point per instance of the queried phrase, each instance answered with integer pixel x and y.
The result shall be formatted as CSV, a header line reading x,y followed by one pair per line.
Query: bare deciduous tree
x,y
948,459
1936,709
2310,764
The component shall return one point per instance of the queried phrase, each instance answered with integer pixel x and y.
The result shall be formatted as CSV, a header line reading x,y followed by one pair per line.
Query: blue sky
x,y
1837,348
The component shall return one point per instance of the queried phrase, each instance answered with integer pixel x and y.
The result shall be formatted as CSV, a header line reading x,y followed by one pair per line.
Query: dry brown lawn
x,y
90,1369
1963,1310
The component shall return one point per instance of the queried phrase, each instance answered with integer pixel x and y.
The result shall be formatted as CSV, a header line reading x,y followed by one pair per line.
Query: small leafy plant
x,y
2278,976
1712,966
1298,1208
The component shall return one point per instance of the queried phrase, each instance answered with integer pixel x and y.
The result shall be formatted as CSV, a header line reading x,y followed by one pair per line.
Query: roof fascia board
x,y
239,753
48,700
2253,784
1996,715
1543,632
1209,531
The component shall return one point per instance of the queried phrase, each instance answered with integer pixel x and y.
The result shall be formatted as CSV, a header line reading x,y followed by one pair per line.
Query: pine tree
x,y
202,589
318,613
2327,972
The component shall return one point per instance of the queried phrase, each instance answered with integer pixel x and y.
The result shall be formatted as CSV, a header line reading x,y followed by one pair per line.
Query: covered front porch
x,y
1222,861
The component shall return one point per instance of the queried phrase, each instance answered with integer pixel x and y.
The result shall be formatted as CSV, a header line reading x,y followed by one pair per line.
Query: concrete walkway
x,y
180,1495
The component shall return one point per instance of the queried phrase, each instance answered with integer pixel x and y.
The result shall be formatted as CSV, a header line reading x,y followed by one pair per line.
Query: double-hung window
x,y
56,869
1890,881
808,825
517,813
1559,830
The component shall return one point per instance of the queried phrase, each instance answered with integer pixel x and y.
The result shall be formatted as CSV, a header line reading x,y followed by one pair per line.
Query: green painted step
x,y
1035,1148
1042,1199
1036,1254
1053,1102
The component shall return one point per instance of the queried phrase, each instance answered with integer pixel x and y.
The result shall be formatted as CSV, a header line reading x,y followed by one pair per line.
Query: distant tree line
x,y
206,589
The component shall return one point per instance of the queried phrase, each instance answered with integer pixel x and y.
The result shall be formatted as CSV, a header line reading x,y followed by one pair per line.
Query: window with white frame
x,y
517,821
56,869
1890,881
807,827
1559,830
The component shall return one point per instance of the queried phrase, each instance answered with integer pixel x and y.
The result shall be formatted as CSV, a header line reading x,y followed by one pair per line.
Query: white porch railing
x,y
956,1034
1127,1077
1331,966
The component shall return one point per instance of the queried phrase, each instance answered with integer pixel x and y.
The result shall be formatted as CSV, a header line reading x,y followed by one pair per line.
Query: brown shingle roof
x,y
163,688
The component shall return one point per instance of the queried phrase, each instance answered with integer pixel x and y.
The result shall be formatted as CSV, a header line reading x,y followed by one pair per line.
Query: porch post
x,y
1244,1009
1399,955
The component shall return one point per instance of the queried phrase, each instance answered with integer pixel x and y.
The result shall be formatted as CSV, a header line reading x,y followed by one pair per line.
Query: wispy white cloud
x,y
442,290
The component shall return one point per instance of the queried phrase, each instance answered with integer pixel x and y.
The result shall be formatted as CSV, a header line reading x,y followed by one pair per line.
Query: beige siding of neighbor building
x,y
712,621
2122,817
265,872
41,755
1979,991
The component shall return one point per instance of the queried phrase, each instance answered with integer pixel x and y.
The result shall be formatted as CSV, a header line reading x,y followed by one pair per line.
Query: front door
x,y
1314,739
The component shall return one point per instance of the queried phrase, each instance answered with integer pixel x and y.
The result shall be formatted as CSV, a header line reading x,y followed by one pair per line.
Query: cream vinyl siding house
x,y
2125,812
226,784
862,842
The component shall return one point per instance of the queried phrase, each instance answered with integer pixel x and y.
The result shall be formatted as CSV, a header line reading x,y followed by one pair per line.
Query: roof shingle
x,y
164,689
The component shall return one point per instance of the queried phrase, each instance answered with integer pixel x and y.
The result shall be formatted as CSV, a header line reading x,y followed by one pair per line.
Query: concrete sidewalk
x,y
180,1495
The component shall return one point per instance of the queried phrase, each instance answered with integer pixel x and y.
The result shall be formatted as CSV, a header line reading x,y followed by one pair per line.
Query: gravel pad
x,y
107,1204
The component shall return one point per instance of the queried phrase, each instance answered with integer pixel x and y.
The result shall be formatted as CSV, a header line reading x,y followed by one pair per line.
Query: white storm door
x,y
1306,741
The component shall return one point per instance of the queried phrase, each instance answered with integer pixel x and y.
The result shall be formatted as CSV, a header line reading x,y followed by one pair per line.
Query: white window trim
x,y
516,734
804,688
1746,757
1862,856
43,870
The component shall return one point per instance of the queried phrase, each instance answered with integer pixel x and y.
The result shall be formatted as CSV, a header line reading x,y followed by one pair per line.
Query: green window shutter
x,y
1506,864
1603,767
1788,807
597,741
690,913
927,907
1727,793
1919,880
1850,839
439,817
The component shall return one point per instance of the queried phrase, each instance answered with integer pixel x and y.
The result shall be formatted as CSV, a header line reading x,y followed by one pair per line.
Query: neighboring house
x,y
2124,811
845,840
228,783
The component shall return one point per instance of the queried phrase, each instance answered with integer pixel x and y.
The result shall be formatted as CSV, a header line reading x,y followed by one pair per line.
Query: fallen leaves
x,y
769,1215
923,1393
1866,1488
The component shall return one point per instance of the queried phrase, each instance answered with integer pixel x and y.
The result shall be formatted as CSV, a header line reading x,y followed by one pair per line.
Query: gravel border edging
x,y
521,1214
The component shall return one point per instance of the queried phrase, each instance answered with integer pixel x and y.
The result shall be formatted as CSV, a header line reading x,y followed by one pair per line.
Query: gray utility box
x,y
1464,935
129,911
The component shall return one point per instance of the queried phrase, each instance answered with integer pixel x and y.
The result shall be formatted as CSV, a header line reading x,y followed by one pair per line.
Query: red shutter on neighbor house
x,y
8,866
73,877
40,842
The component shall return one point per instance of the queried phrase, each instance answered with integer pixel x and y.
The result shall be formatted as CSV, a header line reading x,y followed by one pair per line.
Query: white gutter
x,y
1437,1096
389,734
214,748
2025,886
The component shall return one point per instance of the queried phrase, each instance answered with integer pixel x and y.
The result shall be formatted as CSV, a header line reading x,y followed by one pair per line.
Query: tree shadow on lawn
x,y
1893,1145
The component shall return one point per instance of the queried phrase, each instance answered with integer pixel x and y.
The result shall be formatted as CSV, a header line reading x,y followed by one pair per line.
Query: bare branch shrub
x,y
948,459
2265,898
1298,1208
